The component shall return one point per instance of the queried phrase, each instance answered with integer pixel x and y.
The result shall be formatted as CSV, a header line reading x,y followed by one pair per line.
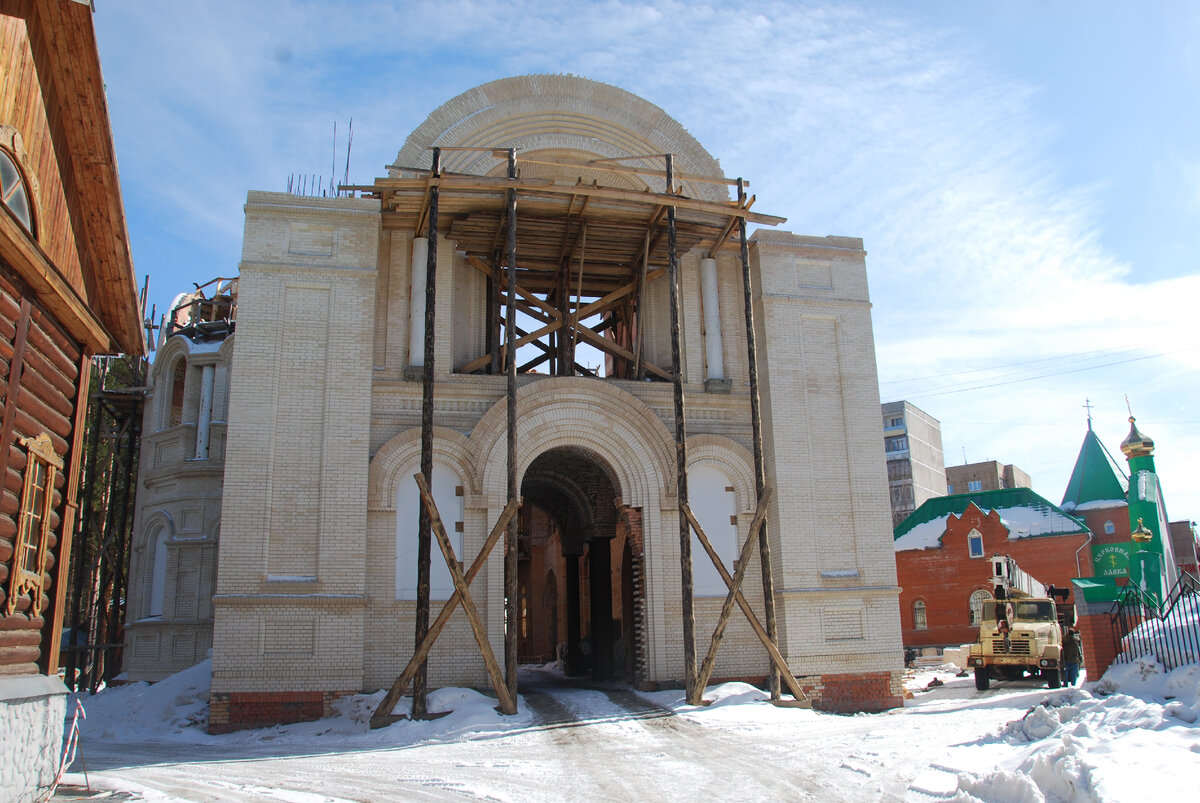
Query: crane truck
x,y
1019,630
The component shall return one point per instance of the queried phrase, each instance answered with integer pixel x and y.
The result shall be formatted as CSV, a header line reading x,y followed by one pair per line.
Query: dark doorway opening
x,y
579,568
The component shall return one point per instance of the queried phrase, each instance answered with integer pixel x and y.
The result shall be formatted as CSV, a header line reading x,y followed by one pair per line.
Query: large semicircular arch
x,y
577,412
562,113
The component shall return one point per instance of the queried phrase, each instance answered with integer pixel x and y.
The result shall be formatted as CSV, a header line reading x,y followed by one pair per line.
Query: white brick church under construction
x,y
289,456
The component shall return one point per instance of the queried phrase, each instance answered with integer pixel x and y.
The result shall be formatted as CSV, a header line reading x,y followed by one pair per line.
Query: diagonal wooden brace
x,y
772,650
383,714
710,659
507,703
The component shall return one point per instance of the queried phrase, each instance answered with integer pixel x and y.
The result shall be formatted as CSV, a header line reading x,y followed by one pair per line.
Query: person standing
x,y
1072,654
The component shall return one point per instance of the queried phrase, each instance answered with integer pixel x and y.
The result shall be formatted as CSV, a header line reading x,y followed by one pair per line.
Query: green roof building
x,y
1023,512
1097,480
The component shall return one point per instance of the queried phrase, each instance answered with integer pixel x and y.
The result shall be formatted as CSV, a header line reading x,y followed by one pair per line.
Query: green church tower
x,y
1152,564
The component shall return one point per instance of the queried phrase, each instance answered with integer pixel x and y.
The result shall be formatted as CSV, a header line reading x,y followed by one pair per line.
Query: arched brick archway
x,y
597,463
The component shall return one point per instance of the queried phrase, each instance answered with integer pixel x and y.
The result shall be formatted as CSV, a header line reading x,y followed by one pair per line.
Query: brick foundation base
x,y
246,710
839,694
1100,646
855,693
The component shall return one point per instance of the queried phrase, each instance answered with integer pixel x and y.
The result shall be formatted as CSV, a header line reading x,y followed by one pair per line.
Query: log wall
x,y
39,383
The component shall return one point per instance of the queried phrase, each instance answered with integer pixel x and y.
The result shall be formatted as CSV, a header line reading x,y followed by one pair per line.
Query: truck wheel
x,y
982,680
1053,676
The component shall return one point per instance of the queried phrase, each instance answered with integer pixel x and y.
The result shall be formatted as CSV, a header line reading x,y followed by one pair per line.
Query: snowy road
x,y
588,744
1135,734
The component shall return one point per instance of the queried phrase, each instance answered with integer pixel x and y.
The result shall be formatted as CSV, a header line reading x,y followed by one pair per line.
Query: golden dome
x,y
1136,444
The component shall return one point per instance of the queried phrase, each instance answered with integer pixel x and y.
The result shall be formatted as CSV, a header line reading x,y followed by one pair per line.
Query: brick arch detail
x,y
734,461
175,349
585,413
556,112
385,472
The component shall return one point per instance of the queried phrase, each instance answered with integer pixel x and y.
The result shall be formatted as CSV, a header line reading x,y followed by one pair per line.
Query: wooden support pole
x,y
383,714
760,482
639,350
508,703
510,544
423,535
777,659
492,341
681,486
577,318
563,363
706,667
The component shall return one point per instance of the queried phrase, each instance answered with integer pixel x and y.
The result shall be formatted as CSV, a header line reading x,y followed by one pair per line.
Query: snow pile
x,y
1081,744
174,709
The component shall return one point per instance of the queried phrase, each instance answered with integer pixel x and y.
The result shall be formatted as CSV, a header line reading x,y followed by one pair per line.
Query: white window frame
x,y
975,537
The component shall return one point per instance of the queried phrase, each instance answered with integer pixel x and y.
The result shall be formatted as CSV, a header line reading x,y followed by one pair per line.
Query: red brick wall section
x,y
1096,519
854,693
1100,647
246,710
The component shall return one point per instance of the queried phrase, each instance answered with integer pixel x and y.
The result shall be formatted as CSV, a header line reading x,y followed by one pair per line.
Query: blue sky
x,y
1025,175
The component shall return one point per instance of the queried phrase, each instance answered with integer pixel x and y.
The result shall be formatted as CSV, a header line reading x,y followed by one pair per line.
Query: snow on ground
x,y
1133,734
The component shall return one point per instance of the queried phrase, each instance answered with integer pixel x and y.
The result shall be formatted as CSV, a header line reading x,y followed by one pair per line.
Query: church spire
x,y
1097,479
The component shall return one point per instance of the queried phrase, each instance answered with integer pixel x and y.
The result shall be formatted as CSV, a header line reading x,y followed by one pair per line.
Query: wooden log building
x,y
67,292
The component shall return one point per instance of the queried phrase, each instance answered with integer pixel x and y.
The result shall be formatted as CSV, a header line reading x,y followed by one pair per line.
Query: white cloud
x,y
846,120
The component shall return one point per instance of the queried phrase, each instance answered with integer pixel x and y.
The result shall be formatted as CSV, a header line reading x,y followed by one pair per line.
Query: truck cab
x,y
1019,631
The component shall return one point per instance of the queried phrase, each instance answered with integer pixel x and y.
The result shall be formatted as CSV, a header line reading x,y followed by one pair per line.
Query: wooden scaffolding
x,y
576,260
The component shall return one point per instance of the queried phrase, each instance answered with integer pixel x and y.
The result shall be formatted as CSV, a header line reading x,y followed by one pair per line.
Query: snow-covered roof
x,y
1022,512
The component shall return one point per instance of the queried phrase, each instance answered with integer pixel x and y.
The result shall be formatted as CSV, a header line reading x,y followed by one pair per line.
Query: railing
x,y
1169,633
211,303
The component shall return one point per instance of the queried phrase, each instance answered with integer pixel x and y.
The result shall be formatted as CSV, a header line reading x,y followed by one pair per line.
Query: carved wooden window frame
x,y
33,524
21,185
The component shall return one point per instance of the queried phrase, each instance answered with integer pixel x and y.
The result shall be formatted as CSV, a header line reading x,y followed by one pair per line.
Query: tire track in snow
x,y
645,750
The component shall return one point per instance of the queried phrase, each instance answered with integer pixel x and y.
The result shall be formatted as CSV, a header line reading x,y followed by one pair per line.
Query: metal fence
x,y
1170,633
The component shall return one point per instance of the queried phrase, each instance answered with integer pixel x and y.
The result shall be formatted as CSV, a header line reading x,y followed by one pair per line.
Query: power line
x,y
1047,375
1014,364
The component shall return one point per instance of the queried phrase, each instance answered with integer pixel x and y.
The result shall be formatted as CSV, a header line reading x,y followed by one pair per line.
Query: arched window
x,y
977,600
1109,528
178,383
447,490
158,572
919,621
713,501
14,192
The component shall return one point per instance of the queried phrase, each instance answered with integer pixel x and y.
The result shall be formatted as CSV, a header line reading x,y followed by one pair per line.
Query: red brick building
x,y
942,553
